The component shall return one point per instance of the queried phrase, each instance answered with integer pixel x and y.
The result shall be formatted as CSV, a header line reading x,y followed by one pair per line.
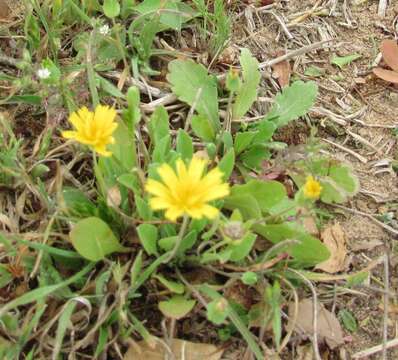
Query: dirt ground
x,y
356,112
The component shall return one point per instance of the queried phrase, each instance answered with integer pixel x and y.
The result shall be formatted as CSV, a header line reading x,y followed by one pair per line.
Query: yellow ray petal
x,y
69,134
157,188
173,213
196,168
168,175
159,203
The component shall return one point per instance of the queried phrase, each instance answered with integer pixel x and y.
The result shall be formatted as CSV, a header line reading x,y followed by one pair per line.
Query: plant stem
x,y
181,234
99,176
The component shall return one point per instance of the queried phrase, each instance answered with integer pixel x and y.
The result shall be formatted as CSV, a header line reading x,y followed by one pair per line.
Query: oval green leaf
x,y
93,239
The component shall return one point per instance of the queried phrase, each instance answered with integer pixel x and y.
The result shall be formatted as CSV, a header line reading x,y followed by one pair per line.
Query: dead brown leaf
x,y
389,49
4,10
366,245
182,350
335,240
387,75
282,71
328,327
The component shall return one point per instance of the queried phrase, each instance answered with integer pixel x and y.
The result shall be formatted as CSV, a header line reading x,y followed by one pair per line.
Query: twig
x,y
315,314
294,53
381,11
375,349
281,22
363,141
386,301
351,152
371,217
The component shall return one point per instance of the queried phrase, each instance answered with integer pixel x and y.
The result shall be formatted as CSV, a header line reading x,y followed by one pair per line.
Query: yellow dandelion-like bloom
x,y
312,188
94,129
187,191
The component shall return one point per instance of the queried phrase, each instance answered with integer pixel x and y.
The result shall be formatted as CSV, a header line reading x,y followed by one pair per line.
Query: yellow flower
x,y
312,188
187,191
94,129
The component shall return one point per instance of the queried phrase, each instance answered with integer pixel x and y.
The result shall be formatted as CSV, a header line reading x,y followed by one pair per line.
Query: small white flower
x,y
43,73
104,30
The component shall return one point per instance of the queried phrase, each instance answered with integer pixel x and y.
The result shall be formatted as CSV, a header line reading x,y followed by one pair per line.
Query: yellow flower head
x,y
94,129
312,188
187,191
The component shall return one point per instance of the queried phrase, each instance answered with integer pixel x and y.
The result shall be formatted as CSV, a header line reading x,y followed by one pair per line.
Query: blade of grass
x,y
40,293
63,324
90,71
147,272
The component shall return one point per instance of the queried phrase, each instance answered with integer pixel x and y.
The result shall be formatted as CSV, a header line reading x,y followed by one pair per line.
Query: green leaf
x,y
267,193
159,124
130,181
218,311
265,131
176,307
348,320
123,157
186,78
93,239
75,203
184,145
25,99
170,13
247,93
111,8
309,252
143,209
202,128
109,88
243,140
249,278
161,150
332,192
168,242
245,203
314,71
254,156
294,101
226,164
173,286
148,235
345,178
241,248
345,60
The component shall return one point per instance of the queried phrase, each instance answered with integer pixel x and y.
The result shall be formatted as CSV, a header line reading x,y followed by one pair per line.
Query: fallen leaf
x,y
335,240
387,75
4,10
389,49
181,349
282,71
328,326
366,245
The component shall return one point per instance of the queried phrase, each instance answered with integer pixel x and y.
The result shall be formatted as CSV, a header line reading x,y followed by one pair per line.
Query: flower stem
x,y
99,176
181,234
